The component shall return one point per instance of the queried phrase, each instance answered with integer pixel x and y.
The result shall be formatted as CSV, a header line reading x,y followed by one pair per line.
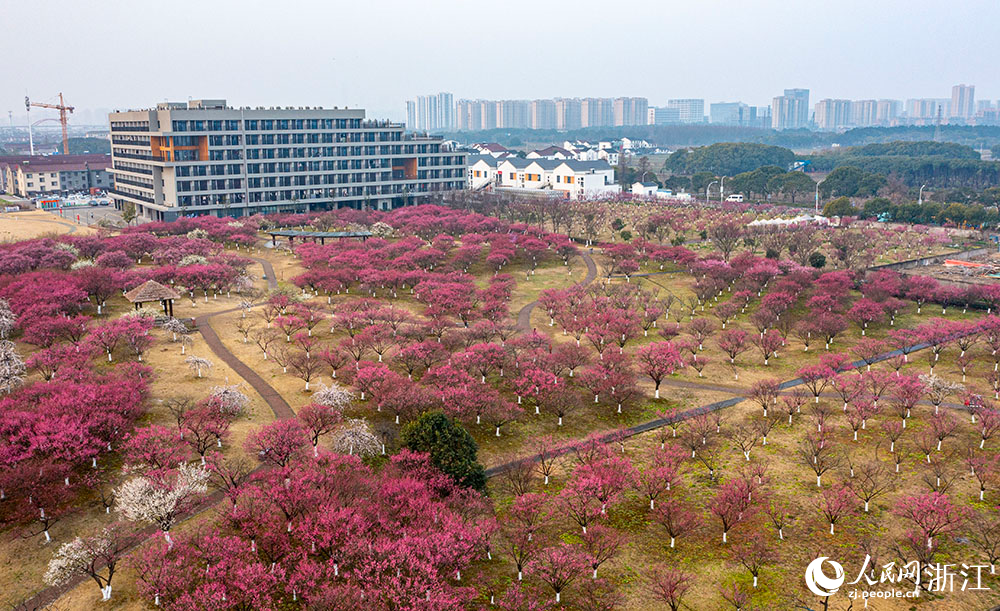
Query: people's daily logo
x,y
818,582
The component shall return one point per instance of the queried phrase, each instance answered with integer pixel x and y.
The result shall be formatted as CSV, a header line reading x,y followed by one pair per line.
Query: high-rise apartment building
x,y
864,113
514,114
963,101
204,157
887,112
467,115
727,113
926,110
791,110
833,114
664,115
543,114
446,111
689,110
597,112
568,111
411,114
488,114
431,112
740,114
630,111
802,96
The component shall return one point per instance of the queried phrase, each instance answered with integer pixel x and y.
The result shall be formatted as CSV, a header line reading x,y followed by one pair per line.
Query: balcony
x,y
134,183
143,171
141,198
136,156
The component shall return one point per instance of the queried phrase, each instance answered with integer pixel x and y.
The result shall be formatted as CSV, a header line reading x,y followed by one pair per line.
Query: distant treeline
x,y
929,213
78,146
938,165
674,136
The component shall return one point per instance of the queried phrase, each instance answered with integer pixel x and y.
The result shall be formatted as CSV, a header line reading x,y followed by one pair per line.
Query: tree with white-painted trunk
x,y
229,400
659,360
198,364
871,480
669,586
835,504
817,453
676,518
95,556
355,437
754,553
140,500
558,567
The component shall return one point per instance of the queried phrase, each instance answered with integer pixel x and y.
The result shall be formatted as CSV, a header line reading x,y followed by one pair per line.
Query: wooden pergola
x,y
317,236
152,290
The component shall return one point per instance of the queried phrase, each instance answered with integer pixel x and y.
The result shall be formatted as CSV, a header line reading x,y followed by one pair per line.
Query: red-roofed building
x,y
30,175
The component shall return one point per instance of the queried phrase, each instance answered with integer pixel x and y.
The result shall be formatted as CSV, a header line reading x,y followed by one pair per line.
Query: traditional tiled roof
x,y
58,163
151,291
491,146
552,150
587,166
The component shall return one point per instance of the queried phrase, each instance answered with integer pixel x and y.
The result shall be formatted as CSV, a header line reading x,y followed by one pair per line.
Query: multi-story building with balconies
x,y
204,157
31,175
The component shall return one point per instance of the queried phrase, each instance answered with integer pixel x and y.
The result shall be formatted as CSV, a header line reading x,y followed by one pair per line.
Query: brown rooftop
x,y
57,163
151,291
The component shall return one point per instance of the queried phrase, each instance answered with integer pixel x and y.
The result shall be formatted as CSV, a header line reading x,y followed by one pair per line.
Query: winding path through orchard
x,y
281,409
524,314
271,396
652,425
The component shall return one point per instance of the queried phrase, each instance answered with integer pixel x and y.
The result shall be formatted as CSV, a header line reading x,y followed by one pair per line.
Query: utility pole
x,y
722,188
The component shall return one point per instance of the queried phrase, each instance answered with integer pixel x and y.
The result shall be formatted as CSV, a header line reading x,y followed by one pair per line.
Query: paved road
x,y
72,227
89,215
275,401
745,392
524,314
271,396
652,425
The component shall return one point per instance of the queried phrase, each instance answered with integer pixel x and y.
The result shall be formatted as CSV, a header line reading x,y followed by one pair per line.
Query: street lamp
x,y
31,141
920,196
707,188
817,195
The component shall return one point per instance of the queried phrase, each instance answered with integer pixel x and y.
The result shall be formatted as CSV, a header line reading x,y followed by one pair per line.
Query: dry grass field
x,y
23,560
15,226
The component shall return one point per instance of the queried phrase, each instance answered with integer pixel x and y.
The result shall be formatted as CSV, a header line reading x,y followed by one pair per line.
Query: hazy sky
x,y
376,53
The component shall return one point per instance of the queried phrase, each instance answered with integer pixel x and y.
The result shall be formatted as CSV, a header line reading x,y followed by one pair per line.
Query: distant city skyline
x,y
715,50
790,110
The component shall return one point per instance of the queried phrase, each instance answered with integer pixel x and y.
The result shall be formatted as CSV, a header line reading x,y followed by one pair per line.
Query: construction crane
x,y
63,111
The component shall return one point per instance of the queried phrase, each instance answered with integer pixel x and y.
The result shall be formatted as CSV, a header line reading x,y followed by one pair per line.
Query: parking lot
x,y
88,215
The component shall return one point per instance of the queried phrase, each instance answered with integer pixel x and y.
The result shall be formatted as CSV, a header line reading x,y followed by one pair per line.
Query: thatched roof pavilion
x,y
153,291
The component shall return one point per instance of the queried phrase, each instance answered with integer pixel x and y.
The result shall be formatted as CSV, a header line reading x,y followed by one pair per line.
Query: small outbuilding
x,y
150,291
